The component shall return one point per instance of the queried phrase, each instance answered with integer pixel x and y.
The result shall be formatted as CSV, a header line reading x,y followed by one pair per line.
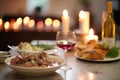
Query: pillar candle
x,y
84,21
65,21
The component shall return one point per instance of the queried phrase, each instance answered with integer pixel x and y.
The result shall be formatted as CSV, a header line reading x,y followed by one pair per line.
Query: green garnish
x,y
114,52
45,46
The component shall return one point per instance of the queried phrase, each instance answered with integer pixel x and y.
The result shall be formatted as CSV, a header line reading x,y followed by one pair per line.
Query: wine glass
x,y
65,41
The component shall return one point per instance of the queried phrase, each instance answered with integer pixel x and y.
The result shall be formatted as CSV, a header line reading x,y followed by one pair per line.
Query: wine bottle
x,y
109,28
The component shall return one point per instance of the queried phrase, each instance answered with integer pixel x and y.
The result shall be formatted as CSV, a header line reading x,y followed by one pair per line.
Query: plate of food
x,y
35,64
26,47
95,52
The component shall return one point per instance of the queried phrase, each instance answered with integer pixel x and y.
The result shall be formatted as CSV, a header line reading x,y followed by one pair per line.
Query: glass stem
x,y
66,67
65,56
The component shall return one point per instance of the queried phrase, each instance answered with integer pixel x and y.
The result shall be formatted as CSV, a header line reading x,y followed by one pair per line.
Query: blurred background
x,y
40,10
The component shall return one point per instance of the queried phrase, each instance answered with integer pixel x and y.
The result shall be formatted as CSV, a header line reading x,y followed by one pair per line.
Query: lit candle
x,y
91,36
25,21
65,21
84,21
19,21
15,26
48,24
31,24
1,23
7,26
40,26
56,25
12,22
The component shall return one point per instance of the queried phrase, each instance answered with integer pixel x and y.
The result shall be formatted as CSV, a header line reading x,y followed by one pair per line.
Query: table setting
x,y
83,68
88,68
73,55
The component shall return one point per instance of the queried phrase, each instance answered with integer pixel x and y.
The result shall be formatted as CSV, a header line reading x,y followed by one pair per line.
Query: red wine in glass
x,y
66,45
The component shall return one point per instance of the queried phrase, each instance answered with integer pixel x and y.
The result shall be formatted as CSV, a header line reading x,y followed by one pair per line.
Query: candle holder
x,y
80,36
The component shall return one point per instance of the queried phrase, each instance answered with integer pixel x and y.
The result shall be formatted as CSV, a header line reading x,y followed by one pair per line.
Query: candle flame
x,y
81,14
6,25
65,13
56,23
26,20
48,21
15,26
40,25
91,36
19,21
31,23
91,32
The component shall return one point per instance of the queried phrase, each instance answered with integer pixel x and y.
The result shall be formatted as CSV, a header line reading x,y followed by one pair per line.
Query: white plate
x,y
105,60
36,71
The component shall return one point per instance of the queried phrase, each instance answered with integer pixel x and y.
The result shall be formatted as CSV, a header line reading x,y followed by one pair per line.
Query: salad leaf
x,y
45,46
114,52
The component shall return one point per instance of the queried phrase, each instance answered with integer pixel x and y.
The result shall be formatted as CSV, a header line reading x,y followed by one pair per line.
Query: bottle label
x,y
109,41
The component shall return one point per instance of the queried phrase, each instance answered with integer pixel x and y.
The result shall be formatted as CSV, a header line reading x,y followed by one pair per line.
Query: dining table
x,y
81,70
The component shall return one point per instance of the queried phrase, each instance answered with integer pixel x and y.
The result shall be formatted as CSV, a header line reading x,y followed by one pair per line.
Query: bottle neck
x,y
109,9
109,6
